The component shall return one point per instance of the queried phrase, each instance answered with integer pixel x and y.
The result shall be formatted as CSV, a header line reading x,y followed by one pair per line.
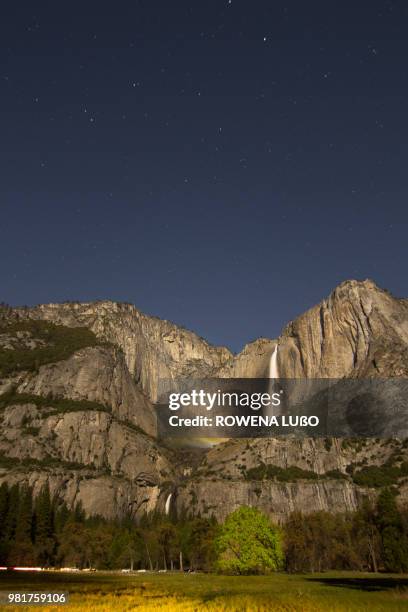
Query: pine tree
x,y
12,512
61,516
44,528
4,494
79,513
21,550
4,500
24,517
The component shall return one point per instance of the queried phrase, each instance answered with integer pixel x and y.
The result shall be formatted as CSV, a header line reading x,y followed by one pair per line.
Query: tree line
x,y
43,531
374,538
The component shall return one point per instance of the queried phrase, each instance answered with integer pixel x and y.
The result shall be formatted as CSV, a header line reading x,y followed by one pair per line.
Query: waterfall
x,y
273,364
273,372
167,506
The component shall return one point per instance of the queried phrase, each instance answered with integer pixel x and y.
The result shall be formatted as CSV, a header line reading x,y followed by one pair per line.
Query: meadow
x,y
109,591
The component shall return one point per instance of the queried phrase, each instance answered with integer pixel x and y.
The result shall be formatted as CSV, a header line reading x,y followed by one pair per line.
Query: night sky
x,y
221,164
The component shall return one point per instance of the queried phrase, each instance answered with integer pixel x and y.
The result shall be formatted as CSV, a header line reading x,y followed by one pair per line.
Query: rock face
x,y
349,333
85,423
275,499
220,483
96,374
359,329
86,455
252,362
318,455
153,349
105,496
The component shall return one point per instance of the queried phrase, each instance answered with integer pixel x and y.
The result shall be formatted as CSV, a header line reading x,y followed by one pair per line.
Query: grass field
x,y
195,592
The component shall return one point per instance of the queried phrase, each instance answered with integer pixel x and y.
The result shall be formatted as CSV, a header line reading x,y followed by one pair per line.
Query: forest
x,y
43,531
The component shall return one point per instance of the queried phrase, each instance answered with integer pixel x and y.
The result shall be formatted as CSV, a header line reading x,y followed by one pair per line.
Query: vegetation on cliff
x,y
48,462
371,476
380,476
52,405
50,343
274,472
271,472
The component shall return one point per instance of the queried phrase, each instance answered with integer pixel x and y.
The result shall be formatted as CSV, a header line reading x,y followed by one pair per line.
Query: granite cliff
x,y
359,330
78,383
154,349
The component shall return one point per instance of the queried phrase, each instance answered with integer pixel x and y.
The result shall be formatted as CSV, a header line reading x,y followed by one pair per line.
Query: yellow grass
x,y
100,592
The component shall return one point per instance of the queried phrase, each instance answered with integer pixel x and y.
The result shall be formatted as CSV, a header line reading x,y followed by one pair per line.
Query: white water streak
x,y
167,506
273,364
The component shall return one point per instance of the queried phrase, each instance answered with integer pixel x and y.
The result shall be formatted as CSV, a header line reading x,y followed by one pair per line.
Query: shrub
x,y
335,474
377,476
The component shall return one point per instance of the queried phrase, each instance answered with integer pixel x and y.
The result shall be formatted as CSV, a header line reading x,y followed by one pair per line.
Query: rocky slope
x,y
87,456
154,349
78,421
233,474
96,374
85,421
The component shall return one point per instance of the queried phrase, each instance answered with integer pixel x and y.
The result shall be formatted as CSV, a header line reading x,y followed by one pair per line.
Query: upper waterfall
x,y
273,364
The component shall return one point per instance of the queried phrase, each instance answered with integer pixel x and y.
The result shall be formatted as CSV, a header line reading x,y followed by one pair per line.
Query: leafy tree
x,y
319,541
151,552
366,537
200,550
297,544
97,543
126,548
167,539
394,540
248,544
73,548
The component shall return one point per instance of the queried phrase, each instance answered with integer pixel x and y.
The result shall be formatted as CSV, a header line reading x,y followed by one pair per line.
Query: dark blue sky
x,y
220,164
